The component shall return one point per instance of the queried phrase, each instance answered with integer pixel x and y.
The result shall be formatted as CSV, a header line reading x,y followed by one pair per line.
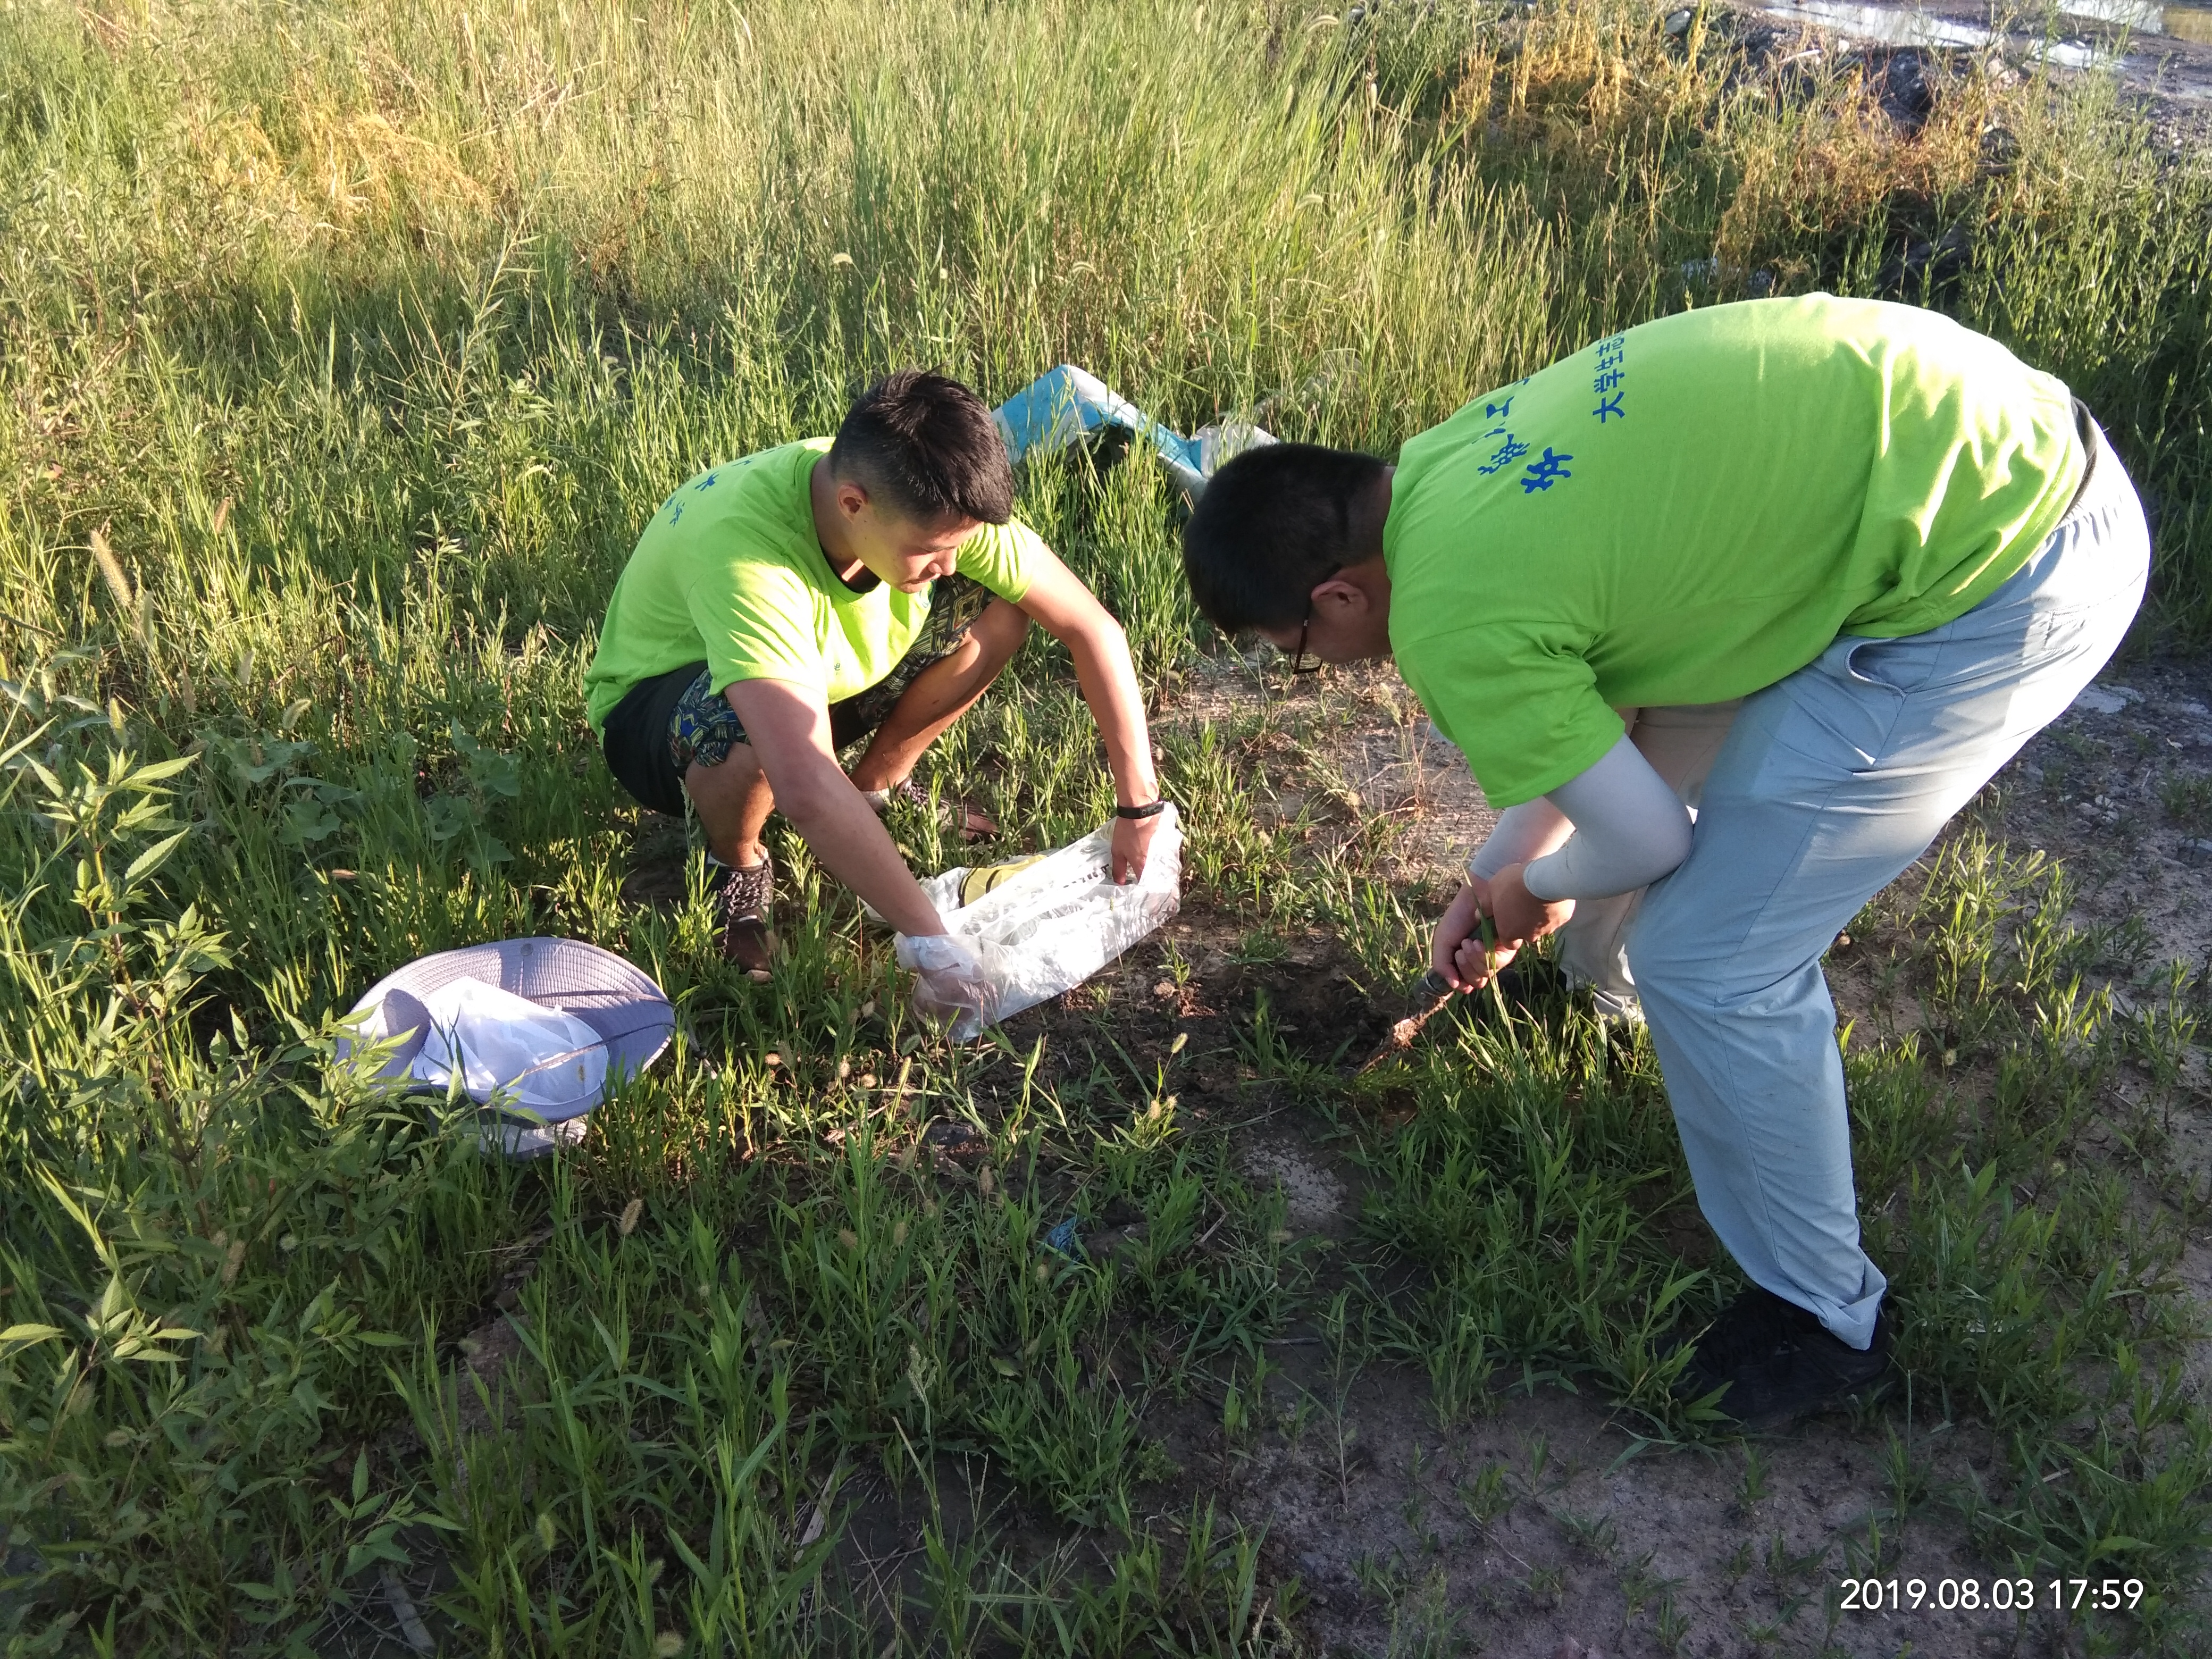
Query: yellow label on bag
x,y
986,877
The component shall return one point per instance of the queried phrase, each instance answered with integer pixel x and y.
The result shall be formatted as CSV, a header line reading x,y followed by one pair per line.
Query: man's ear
x,y
1336,594
852,498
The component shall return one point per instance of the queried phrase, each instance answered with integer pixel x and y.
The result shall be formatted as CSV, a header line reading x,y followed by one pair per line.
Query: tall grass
x,y
346,347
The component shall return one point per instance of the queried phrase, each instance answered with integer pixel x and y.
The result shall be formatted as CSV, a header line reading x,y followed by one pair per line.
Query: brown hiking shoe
x,y
746,901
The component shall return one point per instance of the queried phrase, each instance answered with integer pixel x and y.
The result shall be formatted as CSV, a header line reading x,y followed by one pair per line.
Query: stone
x,y
2106,699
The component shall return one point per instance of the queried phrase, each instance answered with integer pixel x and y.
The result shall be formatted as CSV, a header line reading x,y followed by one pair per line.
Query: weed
x,y
1753,1488
1595,1535
2187,797
1489,1495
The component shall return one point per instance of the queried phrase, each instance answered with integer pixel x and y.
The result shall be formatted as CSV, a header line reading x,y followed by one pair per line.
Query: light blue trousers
x,y
1829,784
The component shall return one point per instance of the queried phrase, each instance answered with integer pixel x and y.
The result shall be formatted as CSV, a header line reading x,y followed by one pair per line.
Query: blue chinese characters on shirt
x,y
1612,376
674,504
1607,381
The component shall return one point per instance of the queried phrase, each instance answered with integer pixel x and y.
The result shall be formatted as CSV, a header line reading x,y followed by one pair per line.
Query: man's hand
x,y
1132,844
949,978
1520,915
1456,952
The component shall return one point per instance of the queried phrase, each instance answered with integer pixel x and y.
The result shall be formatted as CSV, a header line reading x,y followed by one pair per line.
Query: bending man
x,y
1904,550
781,607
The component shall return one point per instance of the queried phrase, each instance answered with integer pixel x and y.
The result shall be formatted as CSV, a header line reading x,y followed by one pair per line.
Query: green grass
x,y
364,336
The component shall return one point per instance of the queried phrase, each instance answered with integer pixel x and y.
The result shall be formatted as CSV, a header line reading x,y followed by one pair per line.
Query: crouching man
x,y
1904,551
781,607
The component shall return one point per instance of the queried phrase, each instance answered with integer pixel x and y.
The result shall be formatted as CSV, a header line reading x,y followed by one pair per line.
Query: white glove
x,y
951,984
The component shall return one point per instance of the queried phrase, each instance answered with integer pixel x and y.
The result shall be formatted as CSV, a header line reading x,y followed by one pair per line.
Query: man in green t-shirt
x,y
1732,610
781,607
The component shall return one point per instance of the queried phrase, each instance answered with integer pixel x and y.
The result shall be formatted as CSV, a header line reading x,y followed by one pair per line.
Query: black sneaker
x,y
1773,1362
745,899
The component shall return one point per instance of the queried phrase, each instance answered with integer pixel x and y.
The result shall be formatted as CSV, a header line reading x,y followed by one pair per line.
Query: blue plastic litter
x,y
1065,404
1065,1239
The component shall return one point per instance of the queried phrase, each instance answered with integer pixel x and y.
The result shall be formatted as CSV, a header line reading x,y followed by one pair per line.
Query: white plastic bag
x,y
1042,930
547,1062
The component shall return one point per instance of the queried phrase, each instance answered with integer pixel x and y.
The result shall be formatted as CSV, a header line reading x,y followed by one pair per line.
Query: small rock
x,y
2196,846
2192,707
1919,266
2106,699
947,1139
1903,82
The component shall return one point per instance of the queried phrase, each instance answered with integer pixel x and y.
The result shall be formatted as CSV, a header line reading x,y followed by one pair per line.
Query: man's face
x,y
905,553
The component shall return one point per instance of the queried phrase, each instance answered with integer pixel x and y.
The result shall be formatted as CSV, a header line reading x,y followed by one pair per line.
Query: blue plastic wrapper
x,y
1065,404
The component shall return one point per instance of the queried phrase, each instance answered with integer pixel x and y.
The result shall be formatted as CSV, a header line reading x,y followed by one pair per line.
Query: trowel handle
x,y
1434,984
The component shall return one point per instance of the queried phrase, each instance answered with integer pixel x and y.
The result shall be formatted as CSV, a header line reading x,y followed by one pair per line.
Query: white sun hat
x,y
536,1027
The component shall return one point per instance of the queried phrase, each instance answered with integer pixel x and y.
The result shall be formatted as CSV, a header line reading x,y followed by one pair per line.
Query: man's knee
x,y
1665,960
999,632
719,768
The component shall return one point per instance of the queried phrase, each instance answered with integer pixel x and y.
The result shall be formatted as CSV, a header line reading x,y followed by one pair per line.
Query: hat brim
x,y
625,1010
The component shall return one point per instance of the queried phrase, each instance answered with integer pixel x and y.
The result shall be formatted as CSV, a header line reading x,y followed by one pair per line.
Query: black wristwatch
x,y
1150,811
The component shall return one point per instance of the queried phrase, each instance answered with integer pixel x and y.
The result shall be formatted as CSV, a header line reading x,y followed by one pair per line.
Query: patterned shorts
x,y
702,726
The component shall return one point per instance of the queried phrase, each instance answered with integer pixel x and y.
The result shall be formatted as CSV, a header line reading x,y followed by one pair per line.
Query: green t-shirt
x,y
729,570
1692,510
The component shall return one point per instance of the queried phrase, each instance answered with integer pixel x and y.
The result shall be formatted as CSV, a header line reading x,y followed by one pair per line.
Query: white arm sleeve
x,y
1522,832
1630,830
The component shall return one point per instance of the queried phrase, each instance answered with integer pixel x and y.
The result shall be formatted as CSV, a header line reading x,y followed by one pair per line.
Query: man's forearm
x,y
1521,833
1109,679
850,840
1630,830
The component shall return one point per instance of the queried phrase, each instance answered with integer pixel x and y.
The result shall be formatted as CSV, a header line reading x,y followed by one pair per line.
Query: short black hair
x,y
925,447
1271,525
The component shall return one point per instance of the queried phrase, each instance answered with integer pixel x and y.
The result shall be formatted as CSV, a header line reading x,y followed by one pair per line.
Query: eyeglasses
x,y
1298,663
